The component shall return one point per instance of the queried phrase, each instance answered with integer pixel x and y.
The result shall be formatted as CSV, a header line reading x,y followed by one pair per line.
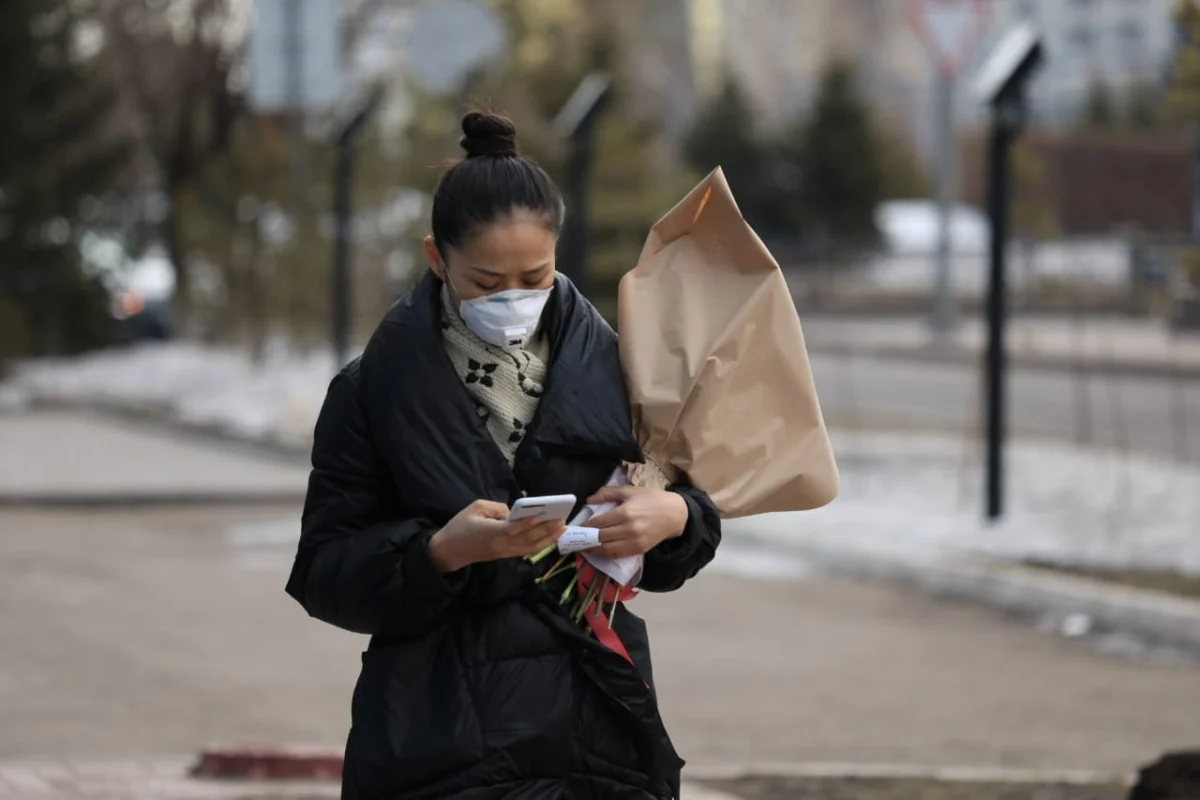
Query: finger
x,y
536,541
489,509
546,541
522,526
623,549
617,533
618,516
611,494
546,530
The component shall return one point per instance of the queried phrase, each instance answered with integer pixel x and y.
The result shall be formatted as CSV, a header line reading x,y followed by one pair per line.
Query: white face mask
x,y
505,319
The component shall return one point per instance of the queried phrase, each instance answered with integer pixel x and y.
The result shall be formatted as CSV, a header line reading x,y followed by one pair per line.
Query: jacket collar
x,y
584,410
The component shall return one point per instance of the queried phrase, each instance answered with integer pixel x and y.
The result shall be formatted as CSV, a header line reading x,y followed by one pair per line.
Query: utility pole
x,y
576,123
343,209
293,59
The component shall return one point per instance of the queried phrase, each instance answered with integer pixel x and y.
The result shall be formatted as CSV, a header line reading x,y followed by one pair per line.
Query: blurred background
x,y
207,205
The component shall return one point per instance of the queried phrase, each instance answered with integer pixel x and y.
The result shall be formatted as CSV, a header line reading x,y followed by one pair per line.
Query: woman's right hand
x,y
481,532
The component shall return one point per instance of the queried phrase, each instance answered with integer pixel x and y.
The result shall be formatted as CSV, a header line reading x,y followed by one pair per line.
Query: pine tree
x,y
839,161
1100,110
1183,93
725,135
1144,106
53,157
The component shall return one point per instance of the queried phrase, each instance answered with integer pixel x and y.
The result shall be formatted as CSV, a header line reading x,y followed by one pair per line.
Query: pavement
x,y
57,458
158,632
1127,413
141,634
1108,344
1117,617
166,779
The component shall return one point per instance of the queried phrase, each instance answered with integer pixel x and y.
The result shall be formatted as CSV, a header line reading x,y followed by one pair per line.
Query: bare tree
x,y
173,63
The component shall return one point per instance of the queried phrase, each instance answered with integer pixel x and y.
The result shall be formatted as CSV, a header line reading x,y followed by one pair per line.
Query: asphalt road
x,y
1147,415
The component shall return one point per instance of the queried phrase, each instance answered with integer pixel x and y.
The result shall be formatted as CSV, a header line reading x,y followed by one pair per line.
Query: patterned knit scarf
x,y
504,385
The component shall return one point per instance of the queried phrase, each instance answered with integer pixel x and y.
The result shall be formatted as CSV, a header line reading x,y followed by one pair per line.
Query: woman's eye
x,y
484,287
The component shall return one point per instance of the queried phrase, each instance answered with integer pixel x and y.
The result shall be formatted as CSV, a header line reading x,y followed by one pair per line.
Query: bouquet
x,y
719,385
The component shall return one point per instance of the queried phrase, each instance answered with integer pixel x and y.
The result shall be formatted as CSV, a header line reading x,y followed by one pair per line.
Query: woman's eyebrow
x,y
536,270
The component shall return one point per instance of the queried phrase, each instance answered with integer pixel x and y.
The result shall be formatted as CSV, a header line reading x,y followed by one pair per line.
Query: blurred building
x,y
658,35
777,49
1119,42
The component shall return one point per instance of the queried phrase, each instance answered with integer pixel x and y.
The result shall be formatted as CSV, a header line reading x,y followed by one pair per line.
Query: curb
x,y
959,774
318,766
1159,617
125,500
310,764
960,356
159,422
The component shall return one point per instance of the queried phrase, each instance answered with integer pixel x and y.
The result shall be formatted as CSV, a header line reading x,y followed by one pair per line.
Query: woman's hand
x,y
481,532
644,519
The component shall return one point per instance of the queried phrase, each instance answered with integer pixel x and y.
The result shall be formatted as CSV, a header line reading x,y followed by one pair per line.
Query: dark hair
x,y
491,182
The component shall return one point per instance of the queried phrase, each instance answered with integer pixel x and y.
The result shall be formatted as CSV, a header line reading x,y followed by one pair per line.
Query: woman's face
x,y
515,253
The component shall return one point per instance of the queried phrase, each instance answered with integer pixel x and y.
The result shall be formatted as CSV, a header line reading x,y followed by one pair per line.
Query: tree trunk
x,y
177,255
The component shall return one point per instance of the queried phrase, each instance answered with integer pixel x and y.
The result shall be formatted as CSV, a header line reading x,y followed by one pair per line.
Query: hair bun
x,y
488,135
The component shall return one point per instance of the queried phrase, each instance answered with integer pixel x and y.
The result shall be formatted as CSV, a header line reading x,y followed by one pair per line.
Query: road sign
x,y
950,29
295,57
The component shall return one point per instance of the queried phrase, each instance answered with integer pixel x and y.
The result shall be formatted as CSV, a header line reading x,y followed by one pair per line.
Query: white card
x,y
577,539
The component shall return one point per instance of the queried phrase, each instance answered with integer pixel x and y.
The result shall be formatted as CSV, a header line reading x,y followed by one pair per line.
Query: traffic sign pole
x,y
950,29
944,312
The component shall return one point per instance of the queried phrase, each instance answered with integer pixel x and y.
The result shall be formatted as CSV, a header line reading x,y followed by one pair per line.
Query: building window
x,y
1131,34
1131,42
1081,40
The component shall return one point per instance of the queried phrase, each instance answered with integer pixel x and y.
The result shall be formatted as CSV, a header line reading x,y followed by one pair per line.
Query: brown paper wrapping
x,y
718,375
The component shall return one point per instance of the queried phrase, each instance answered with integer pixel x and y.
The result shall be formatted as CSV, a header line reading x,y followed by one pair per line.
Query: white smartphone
x,y
550,507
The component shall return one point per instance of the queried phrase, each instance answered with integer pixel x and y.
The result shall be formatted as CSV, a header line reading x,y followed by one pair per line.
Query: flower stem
x,y
566,595
559,567
587,602
538,557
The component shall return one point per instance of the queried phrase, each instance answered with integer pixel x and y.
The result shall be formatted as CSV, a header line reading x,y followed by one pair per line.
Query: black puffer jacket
x,y
475,685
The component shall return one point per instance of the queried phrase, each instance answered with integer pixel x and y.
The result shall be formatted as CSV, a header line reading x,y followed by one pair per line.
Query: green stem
x,y
537,557
559,567
587,602
566,595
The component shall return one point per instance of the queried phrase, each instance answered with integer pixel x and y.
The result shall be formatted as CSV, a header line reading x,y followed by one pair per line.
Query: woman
x,y
491,380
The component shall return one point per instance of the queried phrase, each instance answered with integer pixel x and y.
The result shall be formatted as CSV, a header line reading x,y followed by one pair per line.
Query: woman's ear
x,y
436,265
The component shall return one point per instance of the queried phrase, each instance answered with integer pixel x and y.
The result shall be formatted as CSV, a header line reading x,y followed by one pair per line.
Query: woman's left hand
x,y
644,519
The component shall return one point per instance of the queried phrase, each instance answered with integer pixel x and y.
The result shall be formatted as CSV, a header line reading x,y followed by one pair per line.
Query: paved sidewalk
x,y
76,458
163,631
1155,618
1110,344
166,779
